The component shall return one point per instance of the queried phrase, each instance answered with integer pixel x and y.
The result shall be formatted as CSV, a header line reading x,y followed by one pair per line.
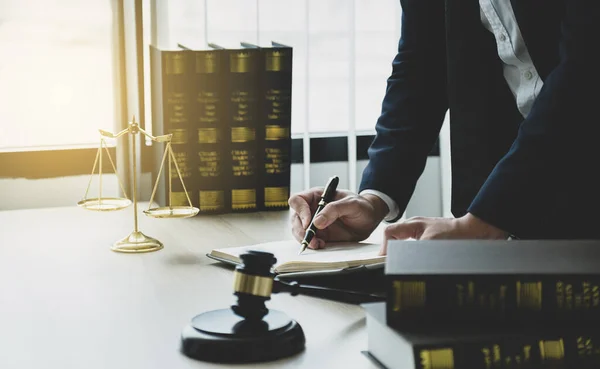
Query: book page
x,y
335,255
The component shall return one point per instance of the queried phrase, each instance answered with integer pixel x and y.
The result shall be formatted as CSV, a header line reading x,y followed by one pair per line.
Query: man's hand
x,y
350,217
422,228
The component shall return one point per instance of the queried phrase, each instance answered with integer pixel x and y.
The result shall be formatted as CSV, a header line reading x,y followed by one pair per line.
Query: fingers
x,y
301,204
402,231
334,210
298,232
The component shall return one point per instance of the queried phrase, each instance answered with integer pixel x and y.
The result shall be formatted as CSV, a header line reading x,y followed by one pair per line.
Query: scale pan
x,y
105,203
172,212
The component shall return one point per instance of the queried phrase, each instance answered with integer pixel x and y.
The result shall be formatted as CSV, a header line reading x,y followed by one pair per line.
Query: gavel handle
x,y
348,296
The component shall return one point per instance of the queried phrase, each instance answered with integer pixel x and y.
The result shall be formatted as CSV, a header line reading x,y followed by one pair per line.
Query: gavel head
x,y
253,284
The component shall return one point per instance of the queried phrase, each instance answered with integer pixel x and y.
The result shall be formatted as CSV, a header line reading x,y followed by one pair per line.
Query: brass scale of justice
x,y
136,241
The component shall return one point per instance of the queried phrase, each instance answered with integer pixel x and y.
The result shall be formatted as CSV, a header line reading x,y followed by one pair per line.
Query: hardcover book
x,y
171,114
477,284
209,142
274,130
242,122
395,349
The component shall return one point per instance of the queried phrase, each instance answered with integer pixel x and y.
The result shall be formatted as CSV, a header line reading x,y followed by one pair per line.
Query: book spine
x,y
171,115
275,132
242,112
469,301
545,351
209,144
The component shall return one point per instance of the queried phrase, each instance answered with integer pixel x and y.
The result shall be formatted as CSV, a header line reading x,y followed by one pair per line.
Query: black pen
x,y
326,197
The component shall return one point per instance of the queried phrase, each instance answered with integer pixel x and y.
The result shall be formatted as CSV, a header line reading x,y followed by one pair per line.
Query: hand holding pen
x,y
347,217
326,197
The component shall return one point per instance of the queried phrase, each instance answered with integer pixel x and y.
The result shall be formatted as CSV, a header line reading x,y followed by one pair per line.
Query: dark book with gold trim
x,y
274,131
171,105
242,121
395,349
492,284
209,143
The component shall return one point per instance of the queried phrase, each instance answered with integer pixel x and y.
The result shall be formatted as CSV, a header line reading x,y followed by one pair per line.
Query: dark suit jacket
x,y
534,177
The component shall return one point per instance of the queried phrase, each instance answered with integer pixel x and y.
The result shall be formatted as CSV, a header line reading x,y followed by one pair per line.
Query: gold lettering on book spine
x,y
175,63
529,295
569,296
276,196
552,350
560,294
243,199
408,294
585,347
243,134
209,165
487,357
275,133
587,294
437,359
211,200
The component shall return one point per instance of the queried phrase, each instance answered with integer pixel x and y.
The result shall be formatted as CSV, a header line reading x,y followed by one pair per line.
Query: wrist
x,y
380,208
481,229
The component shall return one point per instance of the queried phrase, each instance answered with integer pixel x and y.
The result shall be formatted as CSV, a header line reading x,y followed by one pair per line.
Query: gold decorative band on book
x,y
175,63
179,199
274,133
252,284
180,136
529,295
207,63
241,62
275,61
243,199
243,134
208,135
552,350
276,196
437,359
211,200
408,294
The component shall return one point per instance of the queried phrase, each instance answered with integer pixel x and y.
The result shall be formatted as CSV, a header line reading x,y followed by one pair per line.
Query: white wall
x,y
426,201
21,193
67,191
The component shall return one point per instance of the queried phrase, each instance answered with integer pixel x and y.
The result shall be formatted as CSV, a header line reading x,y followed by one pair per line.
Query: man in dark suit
x,y
520,79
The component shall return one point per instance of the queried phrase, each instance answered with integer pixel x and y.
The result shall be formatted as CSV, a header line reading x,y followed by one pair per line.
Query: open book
x,y
336,256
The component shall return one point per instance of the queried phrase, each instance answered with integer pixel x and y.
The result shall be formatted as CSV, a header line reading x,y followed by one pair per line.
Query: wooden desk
x,y
68,301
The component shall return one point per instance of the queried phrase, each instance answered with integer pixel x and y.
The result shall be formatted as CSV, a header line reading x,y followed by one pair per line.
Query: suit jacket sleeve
x,y
414,105
545,186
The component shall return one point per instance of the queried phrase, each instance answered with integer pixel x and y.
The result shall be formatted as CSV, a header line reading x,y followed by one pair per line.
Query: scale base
x,y
220,336
137,242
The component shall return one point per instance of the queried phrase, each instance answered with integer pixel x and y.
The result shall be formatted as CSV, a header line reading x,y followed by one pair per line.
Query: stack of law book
x,y
229,110
454,304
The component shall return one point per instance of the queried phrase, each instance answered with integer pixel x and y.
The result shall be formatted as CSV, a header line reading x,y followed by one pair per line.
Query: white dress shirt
x,y
498,17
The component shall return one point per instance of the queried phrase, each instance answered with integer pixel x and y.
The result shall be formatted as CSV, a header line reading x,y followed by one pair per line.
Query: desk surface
x,y
68,301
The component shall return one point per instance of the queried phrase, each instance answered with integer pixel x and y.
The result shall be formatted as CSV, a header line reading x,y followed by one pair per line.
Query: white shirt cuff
x,y
391,204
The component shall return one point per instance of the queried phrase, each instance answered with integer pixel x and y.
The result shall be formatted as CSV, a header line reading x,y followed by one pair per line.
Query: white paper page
x,y
287,250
